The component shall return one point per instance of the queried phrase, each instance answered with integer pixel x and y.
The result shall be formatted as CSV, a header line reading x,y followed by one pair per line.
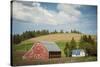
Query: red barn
x,y
43,51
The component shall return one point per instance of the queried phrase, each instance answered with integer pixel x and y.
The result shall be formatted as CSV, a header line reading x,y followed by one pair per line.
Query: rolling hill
x,y
65,37
59,38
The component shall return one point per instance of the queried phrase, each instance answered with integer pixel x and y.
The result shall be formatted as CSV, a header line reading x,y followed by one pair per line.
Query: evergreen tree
x,y
61,31
89,45
73,44
16,39
67,49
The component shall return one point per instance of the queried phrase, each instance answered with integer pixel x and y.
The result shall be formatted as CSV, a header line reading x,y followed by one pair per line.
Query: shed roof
x,y
51,46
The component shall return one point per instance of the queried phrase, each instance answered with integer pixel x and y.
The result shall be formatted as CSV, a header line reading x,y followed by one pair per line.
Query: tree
x,y
54,32
16,39
91,49
84,38
89,45
61,31
75,31
67,49
90,39
66,32
33,33
72,44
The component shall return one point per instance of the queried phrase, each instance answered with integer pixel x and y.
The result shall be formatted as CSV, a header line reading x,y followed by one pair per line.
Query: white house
x,y
78,53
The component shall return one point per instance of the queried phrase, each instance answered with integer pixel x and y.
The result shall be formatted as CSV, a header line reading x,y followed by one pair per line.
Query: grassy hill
x,y
59,38
51,37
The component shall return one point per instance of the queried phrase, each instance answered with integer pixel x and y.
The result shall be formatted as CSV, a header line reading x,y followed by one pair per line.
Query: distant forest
x,y
17,38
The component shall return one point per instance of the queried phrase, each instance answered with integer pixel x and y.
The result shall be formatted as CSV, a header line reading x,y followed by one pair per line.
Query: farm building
x,y
78,53
43,51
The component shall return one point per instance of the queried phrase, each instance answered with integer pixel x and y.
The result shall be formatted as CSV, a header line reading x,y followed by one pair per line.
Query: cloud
x,y
71,11
36,4
38,14
21,12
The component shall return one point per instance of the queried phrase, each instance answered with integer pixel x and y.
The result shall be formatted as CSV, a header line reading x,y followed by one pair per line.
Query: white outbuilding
x,y
78,53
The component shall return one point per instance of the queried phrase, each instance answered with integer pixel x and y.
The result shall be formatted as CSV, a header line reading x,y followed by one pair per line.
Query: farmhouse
x,y
78,53
43,51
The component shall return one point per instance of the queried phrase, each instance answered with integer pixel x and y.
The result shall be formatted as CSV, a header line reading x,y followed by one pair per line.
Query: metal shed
x,y
53,49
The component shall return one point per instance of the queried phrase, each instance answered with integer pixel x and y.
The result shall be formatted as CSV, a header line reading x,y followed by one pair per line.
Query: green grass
x,y
23,46
61,46
83,59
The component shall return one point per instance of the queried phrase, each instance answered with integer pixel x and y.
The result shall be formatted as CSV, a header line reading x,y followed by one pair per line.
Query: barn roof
x,y
77,51
51,46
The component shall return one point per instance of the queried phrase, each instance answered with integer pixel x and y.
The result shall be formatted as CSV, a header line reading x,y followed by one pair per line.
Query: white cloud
x,y
36,4
37,14
71,11
21,12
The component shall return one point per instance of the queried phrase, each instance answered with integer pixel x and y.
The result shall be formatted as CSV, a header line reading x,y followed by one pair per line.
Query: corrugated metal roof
x,y
51,46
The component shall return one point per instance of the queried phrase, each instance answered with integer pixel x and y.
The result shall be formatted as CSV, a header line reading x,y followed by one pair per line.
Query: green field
x,y
23,46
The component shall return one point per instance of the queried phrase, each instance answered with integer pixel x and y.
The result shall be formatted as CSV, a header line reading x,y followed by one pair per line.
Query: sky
x,y
28,16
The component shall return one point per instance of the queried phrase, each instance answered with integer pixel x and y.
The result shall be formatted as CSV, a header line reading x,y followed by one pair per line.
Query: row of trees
x,y
89,45
75,31
17,38
86,42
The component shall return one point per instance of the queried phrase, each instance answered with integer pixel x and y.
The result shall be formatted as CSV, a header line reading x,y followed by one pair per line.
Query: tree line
x,y
86,42
17,38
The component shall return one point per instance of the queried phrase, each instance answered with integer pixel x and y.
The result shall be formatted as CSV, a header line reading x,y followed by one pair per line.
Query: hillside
x,y
58,37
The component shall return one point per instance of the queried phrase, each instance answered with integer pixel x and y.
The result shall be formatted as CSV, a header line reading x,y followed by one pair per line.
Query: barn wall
x,y
37,52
